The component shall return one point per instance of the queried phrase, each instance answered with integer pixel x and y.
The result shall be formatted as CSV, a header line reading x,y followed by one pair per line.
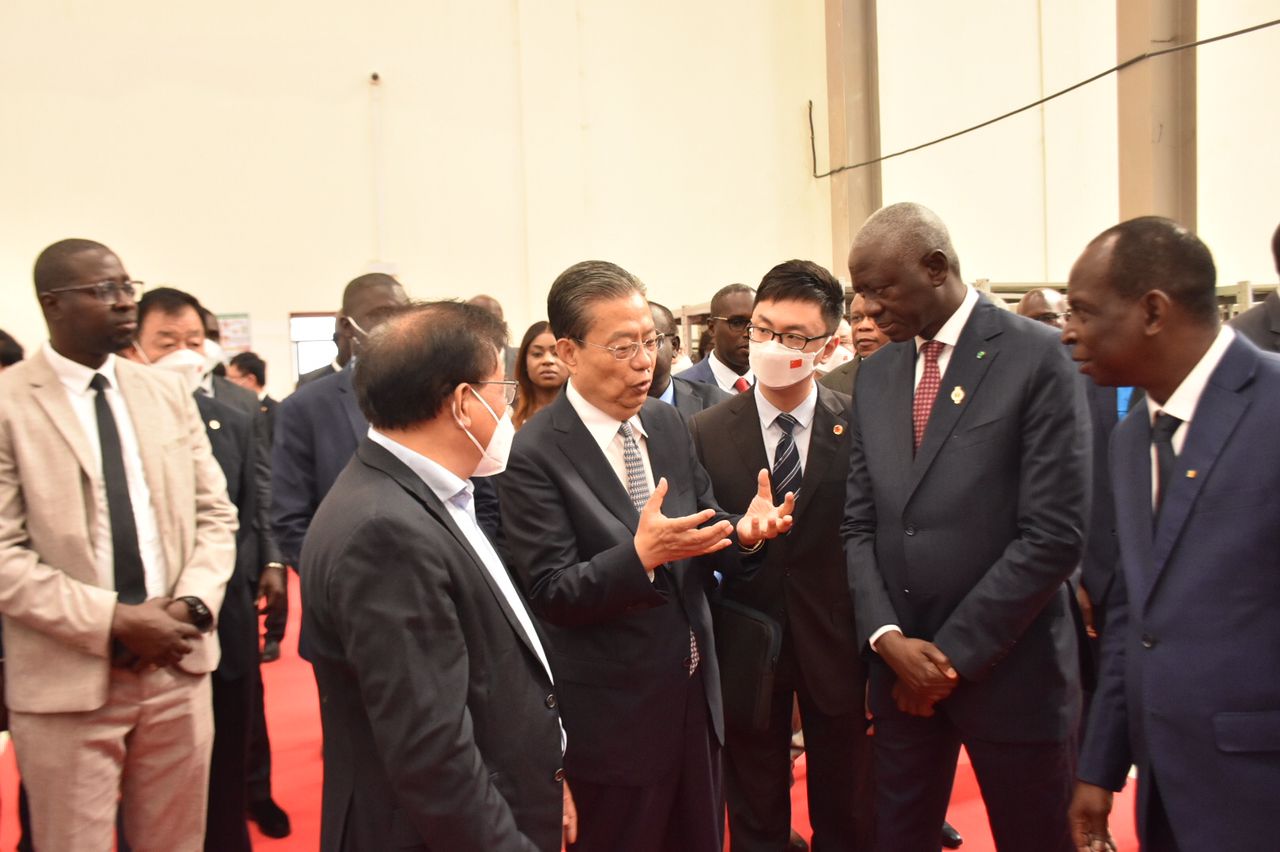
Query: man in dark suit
x,y
800,592
967,496
725,366
439,712
1192,622
1261,323
688,397
342,340
867,338
605,509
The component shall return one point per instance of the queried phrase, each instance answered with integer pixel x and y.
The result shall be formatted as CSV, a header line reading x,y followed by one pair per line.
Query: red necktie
x,y
927,390
741,385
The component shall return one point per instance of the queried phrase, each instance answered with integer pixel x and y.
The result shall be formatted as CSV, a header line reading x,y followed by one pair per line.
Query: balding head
x,y
488,303
1044,304
53,267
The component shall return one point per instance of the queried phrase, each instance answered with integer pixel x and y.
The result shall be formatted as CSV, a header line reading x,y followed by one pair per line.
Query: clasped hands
x,y
660,539
153,634
925,674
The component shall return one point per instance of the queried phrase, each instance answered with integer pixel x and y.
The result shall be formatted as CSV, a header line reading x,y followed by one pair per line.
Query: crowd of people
x,y
586,592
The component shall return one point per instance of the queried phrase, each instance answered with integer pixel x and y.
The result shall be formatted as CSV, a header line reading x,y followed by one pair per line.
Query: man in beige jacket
x,y
116,543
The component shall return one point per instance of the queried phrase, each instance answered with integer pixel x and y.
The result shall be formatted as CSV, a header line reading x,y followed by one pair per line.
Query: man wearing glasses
x,y
726,366
116,544
612,527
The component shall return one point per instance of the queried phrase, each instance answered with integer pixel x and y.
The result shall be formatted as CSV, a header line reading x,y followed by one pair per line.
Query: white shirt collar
x,y
77,376
603,427
803,413
442,482
1183,401
725,376
949,334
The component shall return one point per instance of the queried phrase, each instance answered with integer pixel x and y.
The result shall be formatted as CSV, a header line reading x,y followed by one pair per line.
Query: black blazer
x,y
692,397
1098,569
1261,323
844,377
619,643
232,437
801,580
968,542
439,720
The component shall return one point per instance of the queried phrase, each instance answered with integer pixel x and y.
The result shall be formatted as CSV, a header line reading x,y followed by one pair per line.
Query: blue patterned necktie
x,y
786,460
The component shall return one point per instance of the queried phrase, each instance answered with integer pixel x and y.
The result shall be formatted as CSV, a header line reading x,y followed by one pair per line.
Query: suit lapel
x,y
1131,486
746,435
582,451
824,442
355,418
965,371
51,396
146,419
898,393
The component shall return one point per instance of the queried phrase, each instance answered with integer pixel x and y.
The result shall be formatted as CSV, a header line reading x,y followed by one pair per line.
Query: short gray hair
x,y
908,232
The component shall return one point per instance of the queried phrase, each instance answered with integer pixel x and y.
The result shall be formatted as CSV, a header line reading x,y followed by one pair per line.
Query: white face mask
x,y
187,363
776,366
493,458
213,354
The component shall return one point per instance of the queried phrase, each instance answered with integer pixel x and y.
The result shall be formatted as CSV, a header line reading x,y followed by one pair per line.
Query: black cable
x,y
813,149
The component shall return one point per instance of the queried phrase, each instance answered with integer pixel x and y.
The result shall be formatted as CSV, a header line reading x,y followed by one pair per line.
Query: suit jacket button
x,y
559,776
1148,641
551,701
911,529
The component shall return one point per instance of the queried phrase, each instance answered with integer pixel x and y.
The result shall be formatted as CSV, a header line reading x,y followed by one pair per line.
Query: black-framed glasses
x,y
108,292
628,351
798,342
508,389
735,323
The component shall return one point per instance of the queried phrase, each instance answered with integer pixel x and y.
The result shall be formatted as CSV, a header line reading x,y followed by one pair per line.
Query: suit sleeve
x,y
268,549
213,555
405,644
293,485
560,585
1105,753
1053,502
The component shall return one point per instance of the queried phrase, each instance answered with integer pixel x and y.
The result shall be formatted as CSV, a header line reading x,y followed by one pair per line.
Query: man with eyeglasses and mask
x,y
799,596
116,543
726,366
606,513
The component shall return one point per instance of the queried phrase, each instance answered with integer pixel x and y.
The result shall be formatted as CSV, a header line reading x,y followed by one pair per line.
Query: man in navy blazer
x,y
967,497
726,366
1188,689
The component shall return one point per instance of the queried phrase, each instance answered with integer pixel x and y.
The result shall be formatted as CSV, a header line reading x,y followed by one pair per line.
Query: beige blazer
x,y
57,618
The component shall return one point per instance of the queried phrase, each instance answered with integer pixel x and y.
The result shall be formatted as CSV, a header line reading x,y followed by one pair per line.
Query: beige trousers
x,y
150,744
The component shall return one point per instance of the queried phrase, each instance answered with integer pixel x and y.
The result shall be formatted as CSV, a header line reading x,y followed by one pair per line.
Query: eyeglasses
x,y
1050,318
630,350
108,292
508,389
797,342
735,323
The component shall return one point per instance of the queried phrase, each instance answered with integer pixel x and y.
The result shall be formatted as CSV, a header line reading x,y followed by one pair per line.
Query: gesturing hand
x,y
1087,816
763,520
660,539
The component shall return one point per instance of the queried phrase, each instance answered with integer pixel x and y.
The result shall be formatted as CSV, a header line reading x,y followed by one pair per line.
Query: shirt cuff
x,y
888,628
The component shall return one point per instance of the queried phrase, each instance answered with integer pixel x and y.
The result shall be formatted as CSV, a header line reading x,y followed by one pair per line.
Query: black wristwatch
x,y
201,618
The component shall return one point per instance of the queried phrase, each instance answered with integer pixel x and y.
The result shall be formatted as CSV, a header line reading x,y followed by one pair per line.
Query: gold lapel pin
x,y
1191,474
957,395
214,424
838,429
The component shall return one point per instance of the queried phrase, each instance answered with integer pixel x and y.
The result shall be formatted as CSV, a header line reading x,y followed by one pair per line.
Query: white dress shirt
x,y
949,336
1183,401
726,378
75,379
800,434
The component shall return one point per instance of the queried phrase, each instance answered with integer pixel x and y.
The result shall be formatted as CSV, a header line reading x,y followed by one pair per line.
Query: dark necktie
x,y
926,391
1162,438
130,582
786,460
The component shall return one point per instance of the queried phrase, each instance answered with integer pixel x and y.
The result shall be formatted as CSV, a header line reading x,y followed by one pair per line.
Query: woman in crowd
x,y
539,372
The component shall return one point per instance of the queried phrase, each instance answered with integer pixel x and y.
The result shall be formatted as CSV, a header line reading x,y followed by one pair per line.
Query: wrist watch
x,y
201,618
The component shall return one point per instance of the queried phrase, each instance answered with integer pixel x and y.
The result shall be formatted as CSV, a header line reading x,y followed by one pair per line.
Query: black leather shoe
x,y
270,651
796,843
271,820
951,838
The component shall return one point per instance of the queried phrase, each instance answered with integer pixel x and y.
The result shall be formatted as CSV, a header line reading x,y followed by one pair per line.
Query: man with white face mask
x,y
440,716
799,597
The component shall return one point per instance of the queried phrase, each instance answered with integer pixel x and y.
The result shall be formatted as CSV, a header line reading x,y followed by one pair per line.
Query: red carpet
x,y
293,719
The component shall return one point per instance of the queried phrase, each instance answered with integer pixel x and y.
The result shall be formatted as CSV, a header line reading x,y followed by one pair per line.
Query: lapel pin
x,y
957,395
982,354
838,429
215,425
1191,474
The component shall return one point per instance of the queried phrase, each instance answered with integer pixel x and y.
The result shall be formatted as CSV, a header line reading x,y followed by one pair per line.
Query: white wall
x,y
236,150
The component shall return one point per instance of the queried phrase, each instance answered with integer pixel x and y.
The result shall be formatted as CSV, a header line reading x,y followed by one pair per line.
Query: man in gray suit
x,y
1261,323
967,496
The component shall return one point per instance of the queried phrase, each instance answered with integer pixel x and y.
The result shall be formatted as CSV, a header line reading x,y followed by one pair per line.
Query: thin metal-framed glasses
x,y
760,334
508,389
629,350
108,292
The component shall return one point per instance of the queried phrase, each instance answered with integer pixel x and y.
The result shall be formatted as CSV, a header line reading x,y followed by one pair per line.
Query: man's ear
x,y
567,352
938,266
459,401
825,352
1156,307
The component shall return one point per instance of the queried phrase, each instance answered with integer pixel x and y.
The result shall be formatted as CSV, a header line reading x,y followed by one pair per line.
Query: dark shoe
x,y
796,843
951,838
271,820
271,651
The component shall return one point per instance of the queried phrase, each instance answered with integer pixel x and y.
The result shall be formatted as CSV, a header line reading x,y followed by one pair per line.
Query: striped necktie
x,y
786,460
